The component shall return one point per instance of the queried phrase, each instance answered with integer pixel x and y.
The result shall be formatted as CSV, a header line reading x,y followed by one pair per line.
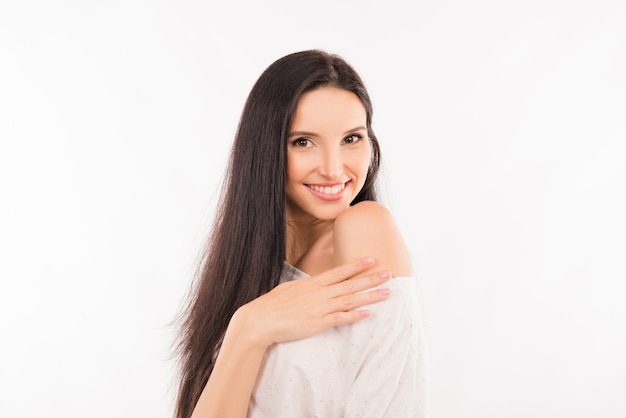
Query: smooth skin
x,y
347,250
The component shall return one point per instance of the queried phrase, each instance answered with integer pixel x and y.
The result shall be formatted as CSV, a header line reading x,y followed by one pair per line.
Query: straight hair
x,y
245,252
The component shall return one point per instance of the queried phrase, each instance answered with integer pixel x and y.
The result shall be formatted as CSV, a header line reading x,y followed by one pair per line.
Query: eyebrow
x,y
306,133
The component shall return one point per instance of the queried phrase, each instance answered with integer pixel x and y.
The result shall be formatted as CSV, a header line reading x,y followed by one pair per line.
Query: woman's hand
x,y
304,307
291,311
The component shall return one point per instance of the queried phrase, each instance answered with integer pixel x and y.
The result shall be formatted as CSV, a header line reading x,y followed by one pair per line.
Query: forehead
x,y
327,108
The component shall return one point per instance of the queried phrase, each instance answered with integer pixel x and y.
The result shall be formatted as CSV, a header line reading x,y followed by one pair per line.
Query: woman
x,y
288,317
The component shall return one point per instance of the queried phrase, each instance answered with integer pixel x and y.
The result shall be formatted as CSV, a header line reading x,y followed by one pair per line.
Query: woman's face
x,y
328,154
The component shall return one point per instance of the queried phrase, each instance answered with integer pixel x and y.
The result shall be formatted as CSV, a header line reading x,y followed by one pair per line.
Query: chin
x,y
329,214
305,206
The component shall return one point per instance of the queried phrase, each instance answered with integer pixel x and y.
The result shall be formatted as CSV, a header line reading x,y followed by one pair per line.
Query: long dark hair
x,y
244,256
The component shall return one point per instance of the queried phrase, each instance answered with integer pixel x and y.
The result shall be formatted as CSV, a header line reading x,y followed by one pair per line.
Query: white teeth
x,y
328,190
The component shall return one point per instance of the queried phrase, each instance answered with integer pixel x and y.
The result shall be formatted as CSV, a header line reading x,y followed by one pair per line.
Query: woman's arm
x,y
228,389
291,311
390,346
369,228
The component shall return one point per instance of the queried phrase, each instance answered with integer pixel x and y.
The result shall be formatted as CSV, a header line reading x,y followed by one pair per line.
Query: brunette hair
x,y
245,254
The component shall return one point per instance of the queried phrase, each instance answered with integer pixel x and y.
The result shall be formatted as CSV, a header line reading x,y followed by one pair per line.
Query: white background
x,y
503,128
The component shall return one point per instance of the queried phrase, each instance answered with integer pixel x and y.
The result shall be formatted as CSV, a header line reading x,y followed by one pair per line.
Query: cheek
x,y
296,168
368,158
360,161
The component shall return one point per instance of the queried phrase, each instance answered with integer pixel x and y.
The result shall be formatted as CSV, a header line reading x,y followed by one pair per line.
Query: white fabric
x,y
374,368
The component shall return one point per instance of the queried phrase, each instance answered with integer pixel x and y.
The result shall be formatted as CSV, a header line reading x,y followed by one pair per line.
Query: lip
x,y
328,197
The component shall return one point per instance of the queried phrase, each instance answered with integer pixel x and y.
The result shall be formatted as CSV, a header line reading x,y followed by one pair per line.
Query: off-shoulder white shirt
x,y
373,368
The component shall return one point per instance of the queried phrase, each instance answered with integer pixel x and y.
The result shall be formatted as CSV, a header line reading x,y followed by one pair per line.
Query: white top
x,y
372,368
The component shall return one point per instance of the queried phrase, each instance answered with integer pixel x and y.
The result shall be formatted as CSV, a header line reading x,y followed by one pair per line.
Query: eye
x,y
301,143
352,139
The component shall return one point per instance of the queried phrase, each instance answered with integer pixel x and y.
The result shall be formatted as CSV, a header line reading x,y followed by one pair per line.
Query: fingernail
x,y
383,275
384,291
366,261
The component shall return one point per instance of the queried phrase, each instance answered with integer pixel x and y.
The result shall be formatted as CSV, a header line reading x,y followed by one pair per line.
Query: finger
x,y
342,318
356,300
345,271
361,283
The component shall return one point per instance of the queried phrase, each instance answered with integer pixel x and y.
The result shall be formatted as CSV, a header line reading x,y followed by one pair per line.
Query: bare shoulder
x,y
369,229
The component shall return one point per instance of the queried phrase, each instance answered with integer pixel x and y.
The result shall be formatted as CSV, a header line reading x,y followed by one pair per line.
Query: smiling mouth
x,y
328,190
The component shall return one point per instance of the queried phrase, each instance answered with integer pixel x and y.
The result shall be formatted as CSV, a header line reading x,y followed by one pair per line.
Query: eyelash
x,y
355,138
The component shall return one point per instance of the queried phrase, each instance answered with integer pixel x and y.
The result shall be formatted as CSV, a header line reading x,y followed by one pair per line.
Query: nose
x,y
331,167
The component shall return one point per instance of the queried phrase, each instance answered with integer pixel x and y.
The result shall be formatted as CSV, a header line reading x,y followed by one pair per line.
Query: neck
x,y
301,235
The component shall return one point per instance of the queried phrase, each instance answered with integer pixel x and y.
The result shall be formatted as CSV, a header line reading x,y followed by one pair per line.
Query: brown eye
x,y
301,142
352,139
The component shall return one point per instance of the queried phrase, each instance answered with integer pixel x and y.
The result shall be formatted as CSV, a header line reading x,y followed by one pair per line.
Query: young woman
x,y
294,312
